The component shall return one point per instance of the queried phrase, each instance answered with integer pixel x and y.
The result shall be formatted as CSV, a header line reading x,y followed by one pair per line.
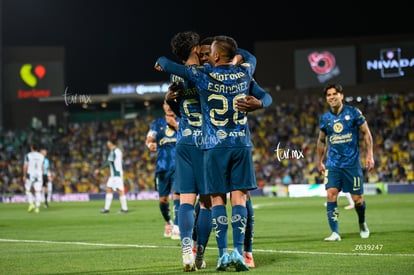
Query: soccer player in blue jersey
x,y
116,179
189,156
226,139
161,138
247,105
203,55
340,128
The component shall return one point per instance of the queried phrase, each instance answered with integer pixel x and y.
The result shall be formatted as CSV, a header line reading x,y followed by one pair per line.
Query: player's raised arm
x,y
165,65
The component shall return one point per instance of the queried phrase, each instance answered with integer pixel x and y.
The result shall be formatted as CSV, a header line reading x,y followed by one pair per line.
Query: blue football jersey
x,y
189,129
166,138
219,88
342,132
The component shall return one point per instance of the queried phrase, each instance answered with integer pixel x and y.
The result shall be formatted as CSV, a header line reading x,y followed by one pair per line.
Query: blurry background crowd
x,y
76,150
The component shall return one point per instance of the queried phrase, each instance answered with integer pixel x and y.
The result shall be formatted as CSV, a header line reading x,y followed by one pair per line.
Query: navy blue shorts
x,y
346,179
189,170
229,169
165,183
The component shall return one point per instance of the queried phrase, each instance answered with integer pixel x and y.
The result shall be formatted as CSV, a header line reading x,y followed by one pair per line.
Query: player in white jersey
x,y
33,177
116,179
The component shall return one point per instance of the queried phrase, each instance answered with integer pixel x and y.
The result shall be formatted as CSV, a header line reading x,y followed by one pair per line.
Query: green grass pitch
x,y
74,238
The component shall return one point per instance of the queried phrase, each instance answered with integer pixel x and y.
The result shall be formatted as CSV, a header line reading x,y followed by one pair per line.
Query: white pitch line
x,y
87,244
330,253
175,247
260,205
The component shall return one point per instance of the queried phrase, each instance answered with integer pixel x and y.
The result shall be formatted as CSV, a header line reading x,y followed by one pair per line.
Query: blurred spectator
x,y
75,151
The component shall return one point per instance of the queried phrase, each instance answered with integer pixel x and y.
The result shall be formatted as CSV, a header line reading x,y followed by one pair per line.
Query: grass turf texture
x,y
74,238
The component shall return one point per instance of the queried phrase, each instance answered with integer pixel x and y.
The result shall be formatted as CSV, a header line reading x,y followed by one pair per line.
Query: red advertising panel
x,y
316,67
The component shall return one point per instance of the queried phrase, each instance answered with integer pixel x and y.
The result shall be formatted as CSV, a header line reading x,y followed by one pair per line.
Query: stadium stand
x,y
76,150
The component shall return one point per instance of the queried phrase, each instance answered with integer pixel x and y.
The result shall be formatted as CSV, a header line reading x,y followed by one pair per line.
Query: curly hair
x,y
182,44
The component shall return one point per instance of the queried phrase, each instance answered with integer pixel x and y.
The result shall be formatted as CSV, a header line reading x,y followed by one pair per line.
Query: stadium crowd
x,y
284,136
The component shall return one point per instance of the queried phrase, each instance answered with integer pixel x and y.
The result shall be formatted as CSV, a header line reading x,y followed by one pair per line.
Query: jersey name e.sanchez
x,y
219,88
342,132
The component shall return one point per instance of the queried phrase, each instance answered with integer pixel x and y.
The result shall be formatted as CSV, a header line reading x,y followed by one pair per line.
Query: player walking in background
x,y
351,203
339,133
348,196
47,179
116,179
162,138
33,177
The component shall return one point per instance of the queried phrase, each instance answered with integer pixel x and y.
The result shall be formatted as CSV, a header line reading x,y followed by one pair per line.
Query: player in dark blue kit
x,y
189,167
184,100
162,138
248,104
226,139
338,138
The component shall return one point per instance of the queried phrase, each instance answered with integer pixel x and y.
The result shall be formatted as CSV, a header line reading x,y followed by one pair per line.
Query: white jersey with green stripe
x,y
115,162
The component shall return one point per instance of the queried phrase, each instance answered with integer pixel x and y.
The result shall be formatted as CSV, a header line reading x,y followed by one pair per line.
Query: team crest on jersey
x,y
169,132
338,127
221,134
186,132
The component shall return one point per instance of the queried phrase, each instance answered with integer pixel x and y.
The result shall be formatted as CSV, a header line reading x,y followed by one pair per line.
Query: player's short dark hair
x,y
183,43
35,147
113,139
338,88
226,45
207,40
